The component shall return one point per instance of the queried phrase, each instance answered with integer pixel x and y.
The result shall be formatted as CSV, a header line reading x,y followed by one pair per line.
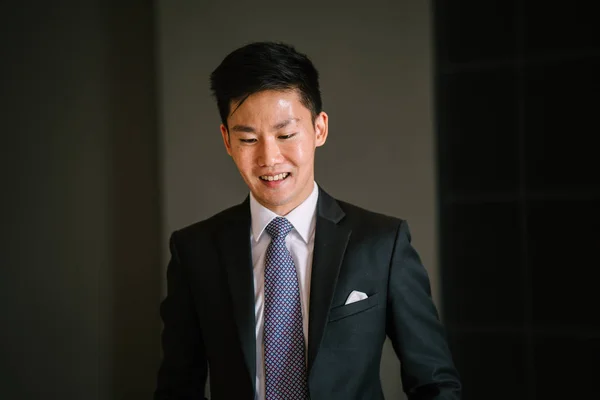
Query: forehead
x,y
268,106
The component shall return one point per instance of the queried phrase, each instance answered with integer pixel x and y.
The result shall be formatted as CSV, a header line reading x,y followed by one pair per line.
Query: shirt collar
x,y
302,217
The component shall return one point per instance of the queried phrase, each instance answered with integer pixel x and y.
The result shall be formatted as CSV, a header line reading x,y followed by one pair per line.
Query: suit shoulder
x,y
209,225
368,218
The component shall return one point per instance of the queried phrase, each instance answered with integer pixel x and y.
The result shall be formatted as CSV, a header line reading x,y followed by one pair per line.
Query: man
x,y
290,294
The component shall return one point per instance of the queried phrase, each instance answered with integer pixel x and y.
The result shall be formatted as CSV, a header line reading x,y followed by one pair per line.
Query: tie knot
x,y
279,228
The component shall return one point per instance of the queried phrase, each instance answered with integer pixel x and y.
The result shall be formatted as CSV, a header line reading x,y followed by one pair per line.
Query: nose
x,y
269,153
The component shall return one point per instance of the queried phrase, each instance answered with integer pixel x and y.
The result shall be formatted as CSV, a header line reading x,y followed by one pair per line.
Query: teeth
x,y
274,177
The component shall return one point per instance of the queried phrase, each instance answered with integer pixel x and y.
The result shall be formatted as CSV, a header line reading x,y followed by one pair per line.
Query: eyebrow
x,y
277,126
242,128
283,124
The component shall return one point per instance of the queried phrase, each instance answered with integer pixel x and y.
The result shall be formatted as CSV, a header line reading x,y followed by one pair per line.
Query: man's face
x,y
272,141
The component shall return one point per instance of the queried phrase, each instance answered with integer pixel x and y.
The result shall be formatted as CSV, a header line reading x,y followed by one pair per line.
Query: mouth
x,y
274,178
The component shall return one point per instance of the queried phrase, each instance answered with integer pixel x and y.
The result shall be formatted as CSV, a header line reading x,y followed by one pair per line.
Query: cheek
x,y
300,153
243,161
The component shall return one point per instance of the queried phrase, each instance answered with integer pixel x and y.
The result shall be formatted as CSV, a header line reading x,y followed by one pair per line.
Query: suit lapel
x,y
236,252
331,240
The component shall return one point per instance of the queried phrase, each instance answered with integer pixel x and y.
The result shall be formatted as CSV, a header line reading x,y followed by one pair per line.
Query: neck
x,y
285,209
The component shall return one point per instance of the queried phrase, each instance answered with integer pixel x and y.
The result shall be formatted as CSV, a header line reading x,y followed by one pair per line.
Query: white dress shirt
x,y
300,242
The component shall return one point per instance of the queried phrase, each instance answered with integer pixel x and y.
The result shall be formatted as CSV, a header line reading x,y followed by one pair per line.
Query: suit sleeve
x,y
183,370
413,325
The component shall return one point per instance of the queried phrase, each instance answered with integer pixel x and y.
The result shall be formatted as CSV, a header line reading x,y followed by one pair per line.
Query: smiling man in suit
x,y
290,294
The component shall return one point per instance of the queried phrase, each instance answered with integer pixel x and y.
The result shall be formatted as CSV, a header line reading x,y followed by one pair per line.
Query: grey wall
x,y
375,65
80,256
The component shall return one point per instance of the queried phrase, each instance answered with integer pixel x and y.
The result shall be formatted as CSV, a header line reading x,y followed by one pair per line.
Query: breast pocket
x,y
347,310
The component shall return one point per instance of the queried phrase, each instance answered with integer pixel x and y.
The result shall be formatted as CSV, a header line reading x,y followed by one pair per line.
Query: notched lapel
x,y
236,254
331,240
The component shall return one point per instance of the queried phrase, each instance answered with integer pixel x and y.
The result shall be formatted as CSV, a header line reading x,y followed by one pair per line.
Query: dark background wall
x,y
517,85
80,270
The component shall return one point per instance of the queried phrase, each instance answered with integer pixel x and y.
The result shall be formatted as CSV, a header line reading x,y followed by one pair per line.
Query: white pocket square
x,y
355,296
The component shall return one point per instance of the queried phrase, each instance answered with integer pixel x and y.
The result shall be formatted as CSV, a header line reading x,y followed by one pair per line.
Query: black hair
x,y
262,66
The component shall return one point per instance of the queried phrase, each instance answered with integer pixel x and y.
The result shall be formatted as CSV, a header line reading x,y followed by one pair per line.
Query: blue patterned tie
x,y
285,368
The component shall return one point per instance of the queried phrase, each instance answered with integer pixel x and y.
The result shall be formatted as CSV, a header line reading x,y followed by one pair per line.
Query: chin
x,y
277,201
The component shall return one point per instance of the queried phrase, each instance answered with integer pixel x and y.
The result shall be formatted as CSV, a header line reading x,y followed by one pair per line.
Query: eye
x,y
248,140
287,136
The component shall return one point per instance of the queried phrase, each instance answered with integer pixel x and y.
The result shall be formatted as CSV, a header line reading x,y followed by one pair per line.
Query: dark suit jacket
x,y
208,313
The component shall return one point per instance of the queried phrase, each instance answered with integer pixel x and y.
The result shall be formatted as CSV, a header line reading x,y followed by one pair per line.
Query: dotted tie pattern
x,y
285,367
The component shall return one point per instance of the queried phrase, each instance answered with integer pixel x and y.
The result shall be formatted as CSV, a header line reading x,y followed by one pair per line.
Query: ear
x,y
226,138
321,128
